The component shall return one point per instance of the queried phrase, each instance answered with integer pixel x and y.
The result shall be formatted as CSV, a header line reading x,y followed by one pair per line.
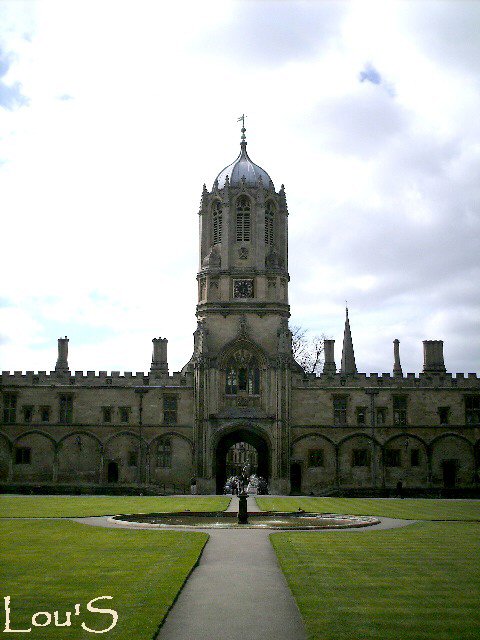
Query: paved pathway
x,y
237,591
252,505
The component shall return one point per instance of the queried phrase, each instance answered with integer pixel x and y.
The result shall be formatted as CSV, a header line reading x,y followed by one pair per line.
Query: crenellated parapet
x,y
387,380
96,379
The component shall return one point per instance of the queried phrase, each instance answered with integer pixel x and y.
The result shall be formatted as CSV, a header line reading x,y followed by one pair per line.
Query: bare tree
x,y
308,352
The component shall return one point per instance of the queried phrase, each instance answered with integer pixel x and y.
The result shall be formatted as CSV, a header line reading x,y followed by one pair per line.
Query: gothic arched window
x,y
243,374
269,219
243,219
164,453
217,221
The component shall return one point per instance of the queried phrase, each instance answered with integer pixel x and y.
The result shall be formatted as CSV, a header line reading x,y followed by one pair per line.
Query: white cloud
x,y
100,191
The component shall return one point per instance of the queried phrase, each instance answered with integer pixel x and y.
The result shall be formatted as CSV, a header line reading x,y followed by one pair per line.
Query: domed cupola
x,y
243,167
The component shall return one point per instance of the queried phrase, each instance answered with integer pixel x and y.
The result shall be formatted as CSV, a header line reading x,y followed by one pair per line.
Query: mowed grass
x,y
418,582
80,506
407,509
54,565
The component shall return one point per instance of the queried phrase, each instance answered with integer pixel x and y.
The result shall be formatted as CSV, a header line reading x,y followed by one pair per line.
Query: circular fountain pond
x,y
257,520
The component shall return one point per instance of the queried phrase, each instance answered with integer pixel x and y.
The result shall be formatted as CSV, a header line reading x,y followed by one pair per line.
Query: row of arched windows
x,y
243,232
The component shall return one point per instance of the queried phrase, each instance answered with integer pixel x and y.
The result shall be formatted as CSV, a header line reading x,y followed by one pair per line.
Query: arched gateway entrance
x,y
233,438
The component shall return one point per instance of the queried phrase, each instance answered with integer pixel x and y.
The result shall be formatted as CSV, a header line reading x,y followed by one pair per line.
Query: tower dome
x,y
243,167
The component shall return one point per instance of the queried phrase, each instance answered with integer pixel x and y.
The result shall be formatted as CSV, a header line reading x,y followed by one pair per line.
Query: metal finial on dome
x,y
243,137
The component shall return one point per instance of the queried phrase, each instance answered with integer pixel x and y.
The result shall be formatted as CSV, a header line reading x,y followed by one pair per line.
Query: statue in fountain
x,y
244,478
242,495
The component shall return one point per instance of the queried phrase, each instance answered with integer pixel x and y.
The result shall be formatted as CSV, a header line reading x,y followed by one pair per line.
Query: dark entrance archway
x,y
112,471
449,473
227,441
296,477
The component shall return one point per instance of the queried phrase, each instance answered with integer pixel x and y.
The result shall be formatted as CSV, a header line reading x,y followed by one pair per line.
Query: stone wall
x,y
87,450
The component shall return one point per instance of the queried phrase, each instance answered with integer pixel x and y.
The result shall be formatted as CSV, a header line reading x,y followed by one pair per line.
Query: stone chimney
x,y
159,356
62,360
433,356
329,366
397,367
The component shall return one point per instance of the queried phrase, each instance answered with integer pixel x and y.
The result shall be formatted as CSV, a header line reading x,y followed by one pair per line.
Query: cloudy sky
x,y
114,114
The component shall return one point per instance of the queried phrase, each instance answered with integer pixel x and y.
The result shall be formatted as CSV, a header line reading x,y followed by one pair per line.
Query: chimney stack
x,y
62,360
159,356
397,367
329,367
433,356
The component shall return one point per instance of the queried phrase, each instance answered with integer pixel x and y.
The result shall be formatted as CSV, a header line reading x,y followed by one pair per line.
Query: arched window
x,y
243,219
269,218
243,374
164,453
217,221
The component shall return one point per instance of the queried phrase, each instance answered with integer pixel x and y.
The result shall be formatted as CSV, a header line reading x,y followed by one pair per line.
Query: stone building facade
x,y
242,389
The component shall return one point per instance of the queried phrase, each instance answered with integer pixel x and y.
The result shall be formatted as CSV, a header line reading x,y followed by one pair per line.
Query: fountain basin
x,y
256,520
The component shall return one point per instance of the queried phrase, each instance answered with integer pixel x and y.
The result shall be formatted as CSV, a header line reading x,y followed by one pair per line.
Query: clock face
x,y
243,288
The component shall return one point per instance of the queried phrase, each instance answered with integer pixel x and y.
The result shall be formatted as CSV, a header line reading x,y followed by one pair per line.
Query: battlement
x,y
379,380
96,379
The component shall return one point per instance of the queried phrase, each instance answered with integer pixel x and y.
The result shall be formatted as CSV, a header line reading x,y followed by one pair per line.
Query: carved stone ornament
x,y
213,259
200,338
243,253
243,325
243,357
273,260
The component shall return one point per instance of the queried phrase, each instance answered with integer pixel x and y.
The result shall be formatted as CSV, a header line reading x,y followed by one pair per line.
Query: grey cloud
x,y
404,256
359,124
447,31
423,255
271,33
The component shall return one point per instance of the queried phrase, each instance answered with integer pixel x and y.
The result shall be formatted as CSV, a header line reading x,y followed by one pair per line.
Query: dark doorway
x,y
239,455
112,472
296,477
449,474
241,436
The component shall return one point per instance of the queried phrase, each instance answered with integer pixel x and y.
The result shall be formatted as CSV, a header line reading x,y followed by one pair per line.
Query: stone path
x,y
237,591
252,505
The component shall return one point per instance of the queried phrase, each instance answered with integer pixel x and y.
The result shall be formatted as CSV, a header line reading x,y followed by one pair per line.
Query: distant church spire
x,y
348,357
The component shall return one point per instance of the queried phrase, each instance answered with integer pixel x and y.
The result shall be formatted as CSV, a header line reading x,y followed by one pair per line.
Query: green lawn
x,y
408,509
54,565
419,582
80,506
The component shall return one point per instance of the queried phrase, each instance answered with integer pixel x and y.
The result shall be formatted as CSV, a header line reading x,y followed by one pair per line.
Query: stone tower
x,y
242,351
